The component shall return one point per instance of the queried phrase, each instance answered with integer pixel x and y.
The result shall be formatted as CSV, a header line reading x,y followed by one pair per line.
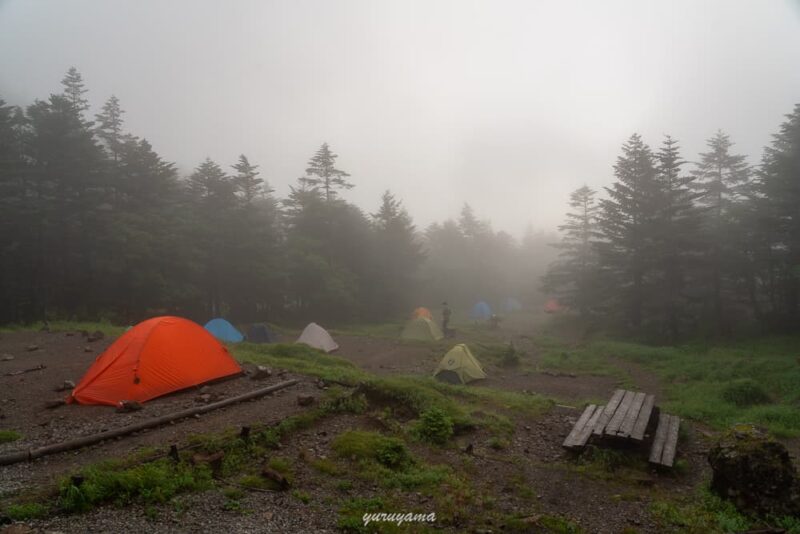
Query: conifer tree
x,y
109,126
627,223
779,212
322,173
722,181
574,276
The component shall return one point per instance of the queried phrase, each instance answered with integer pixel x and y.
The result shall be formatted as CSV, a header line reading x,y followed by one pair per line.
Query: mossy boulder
x,y
755,472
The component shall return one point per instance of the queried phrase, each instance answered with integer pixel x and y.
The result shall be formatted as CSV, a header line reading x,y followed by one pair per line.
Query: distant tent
x,y
552,306
481,310
155,357
317,337
422,329
259,333
511,304
459,366
422,312
224,331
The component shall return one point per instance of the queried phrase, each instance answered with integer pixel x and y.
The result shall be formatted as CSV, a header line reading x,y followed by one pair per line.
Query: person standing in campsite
x,y
445,317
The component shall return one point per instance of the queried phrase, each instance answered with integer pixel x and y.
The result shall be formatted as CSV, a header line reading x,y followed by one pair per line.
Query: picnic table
x,y
629,417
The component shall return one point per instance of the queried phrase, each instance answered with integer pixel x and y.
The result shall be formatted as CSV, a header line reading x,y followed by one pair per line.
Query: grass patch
x,y
705,512
7,436
105,327
26,511
362,445
756,381
155,482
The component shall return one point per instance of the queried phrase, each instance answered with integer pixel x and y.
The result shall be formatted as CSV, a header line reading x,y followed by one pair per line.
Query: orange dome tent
x,y
552,306
155,357
421,312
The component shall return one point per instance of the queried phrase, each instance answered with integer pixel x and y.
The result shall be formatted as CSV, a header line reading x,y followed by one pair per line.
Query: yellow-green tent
x,y
459,366
422,329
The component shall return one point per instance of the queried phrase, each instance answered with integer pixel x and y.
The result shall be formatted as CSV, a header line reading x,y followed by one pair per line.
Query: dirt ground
x,y
22,400
534,458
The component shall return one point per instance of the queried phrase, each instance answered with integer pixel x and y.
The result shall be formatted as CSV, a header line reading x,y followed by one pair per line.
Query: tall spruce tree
x,y
322,172
109,126
74,90
675,238
248,184
721,182
397,254
574,277
779,212
627,222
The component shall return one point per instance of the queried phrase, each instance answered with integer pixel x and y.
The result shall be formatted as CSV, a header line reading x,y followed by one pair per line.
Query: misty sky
x,y
507,105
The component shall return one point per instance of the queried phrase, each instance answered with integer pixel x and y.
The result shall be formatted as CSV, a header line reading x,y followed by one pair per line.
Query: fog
x,y
505,105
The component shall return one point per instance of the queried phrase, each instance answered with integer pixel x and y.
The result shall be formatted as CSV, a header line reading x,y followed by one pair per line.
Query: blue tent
x,y
481,310
511,304
223,330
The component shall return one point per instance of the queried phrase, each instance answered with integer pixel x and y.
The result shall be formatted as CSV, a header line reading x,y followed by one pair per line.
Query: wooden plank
x,y
571,440
626,427
608,411
613,426
658,441
643,418
671,443
583,437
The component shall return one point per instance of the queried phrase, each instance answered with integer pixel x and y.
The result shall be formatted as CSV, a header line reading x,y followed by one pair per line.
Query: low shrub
x,y
745,392
434,426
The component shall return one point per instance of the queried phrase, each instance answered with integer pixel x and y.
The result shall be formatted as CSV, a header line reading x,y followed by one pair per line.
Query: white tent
x,y
317,337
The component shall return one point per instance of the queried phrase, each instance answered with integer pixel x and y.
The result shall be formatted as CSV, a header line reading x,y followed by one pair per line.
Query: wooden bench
x,y
666,441
626,418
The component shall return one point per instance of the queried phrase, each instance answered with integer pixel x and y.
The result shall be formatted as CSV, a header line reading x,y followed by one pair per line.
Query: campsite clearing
x,y
502,455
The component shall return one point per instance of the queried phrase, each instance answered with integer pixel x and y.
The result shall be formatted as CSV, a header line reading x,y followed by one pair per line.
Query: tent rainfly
x,y
317,337
422,329
224,331
459,366
155,357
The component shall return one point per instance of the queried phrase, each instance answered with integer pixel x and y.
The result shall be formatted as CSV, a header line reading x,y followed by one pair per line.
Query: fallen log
x,y
31,454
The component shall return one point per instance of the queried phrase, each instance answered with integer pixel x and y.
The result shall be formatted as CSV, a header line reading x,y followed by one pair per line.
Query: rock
x,y
97,335
6,358
261,372
305,400
32,347
69,334
128,406
67,385
755,472
279,479
204,398
205,389
88,349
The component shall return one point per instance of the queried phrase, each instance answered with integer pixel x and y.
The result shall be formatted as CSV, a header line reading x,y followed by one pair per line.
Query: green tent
x,y
459,366
422,329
